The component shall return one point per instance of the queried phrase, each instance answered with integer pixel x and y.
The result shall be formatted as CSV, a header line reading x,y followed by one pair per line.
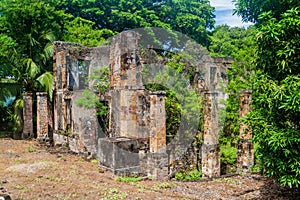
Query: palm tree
x,y
31,70
28,74
26,36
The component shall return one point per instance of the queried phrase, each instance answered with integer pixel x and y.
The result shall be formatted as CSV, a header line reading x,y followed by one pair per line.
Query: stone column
x,y
245,157
42,115
126,86
27,116
158,158
210,147
158,140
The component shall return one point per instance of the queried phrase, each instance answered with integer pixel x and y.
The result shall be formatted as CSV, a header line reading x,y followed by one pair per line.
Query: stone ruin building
x,y
136,142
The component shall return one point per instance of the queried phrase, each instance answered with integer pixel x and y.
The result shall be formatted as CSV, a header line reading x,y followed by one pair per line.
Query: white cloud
x,y
231,21
224,14
222,4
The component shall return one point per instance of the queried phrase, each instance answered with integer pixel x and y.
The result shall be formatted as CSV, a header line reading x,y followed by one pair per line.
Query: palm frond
x,y
50,36
32,68
47,81
47,53
32,40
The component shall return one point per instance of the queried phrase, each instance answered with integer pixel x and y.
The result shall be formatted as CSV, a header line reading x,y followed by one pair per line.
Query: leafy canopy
x,y
275,119
250,10
189,17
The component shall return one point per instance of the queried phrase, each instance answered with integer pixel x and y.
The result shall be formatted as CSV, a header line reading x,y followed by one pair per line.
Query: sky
x,y
224,11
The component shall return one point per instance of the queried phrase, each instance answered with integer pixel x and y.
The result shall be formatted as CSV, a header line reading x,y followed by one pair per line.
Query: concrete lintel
x,y
160,92
41,93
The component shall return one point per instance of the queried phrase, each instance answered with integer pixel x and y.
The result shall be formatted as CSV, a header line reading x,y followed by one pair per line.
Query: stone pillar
x,y
128,112
27,116
158,140
210,147
42,115
158,158
245,157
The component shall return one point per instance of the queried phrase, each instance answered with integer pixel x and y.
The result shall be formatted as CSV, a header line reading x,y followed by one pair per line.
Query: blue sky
x,y
224,11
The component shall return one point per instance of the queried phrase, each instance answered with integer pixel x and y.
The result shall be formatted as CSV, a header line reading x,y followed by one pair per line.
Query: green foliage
x,y
88,100
173,109
127,179
182,102
275,122
95,161
251,10
238,44
18,113
28,27
9,88
113,194
31,149
81,31
278,41
6,45
100,79
275,119
47,81
232,42
12,116
228,155
190,17
193,175
91,96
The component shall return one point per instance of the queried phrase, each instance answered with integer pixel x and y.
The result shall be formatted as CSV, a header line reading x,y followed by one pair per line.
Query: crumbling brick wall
x,y
137,117
27,116
245,157
43,116
73,124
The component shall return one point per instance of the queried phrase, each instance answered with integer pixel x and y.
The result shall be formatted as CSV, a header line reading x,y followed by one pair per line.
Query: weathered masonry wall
x,y
42,115
137,118
158,140
74,125
129,101
28,116
136,140
210,147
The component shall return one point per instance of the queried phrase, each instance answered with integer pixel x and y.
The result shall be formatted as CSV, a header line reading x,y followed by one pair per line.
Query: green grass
x,y
127,179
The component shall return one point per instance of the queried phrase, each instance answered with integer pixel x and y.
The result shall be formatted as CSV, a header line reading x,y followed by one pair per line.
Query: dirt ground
x,y
32,171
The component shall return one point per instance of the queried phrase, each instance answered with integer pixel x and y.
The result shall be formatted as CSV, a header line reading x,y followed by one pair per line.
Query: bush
x,y
228,157
189,176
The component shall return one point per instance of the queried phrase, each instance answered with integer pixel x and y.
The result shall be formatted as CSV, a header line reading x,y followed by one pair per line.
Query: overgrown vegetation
x,y
93,98
127,179
228,154
192,175
274,119
266,61
238,44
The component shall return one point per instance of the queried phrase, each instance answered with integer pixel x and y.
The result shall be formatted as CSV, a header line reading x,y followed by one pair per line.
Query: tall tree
x,y
30,25
191,17
250,10
81,31
276,109
275,119
27,29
